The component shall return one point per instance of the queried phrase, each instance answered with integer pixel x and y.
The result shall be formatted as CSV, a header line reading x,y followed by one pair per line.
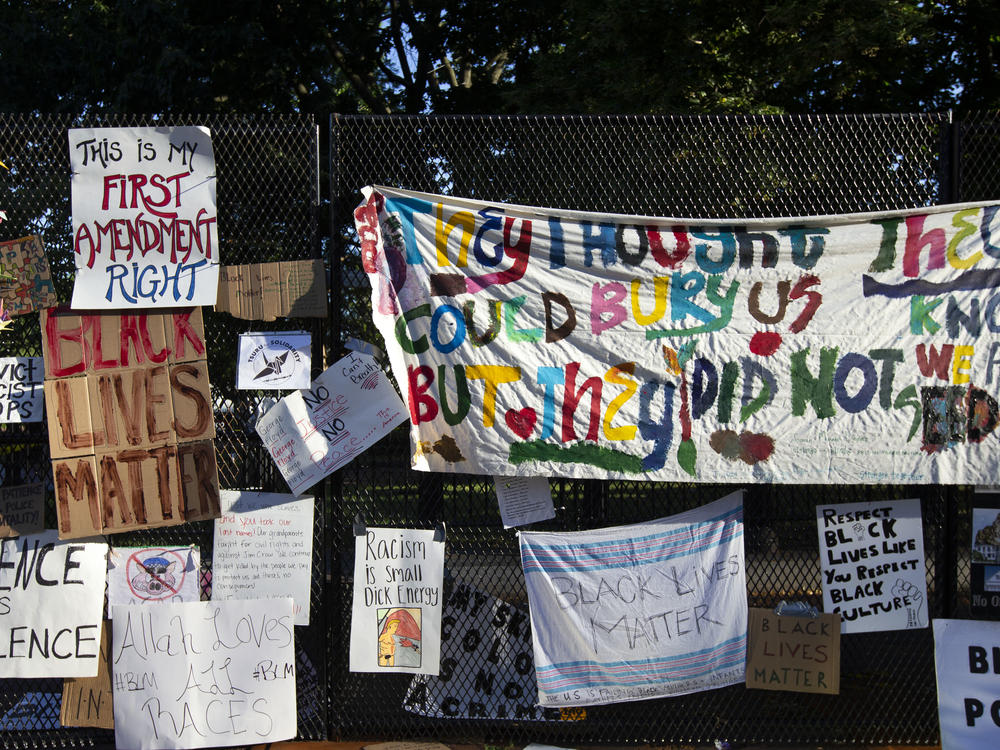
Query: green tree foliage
x,y
476,56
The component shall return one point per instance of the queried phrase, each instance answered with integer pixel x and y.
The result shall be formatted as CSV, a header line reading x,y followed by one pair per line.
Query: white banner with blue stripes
x,y
641,611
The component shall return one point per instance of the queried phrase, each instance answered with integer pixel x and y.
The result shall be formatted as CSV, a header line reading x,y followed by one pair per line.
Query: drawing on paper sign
x,y
280,360
155,574
399,637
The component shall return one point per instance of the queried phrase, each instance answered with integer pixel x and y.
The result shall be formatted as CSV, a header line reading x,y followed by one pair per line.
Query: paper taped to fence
x,y
144,217
641,611
827,349
276,360
153,575
25,279
968,683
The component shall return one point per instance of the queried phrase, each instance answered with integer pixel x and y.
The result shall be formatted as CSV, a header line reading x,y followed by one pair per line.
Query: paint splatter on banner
x,y
830,349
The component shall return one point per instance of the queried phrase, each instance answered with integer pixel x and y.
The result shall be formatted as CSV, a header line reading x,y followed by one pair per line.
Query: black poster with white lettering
x,y
872,559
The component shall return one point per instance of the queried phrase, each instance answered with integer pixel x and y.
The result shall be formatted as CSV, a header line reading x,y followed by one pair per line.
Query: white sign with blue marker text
x,y
144,217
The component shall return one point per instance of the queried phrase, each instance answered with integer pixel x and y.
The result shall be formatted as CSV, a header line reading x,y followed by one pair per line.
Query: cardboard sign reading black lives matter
x,y
793,653
872,558
130,420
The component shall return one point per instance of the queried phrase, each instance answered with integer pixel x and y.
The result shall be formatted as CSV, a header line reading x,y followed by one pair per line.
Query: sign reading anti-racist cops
x,y
829,349
144,217
872,560
642,611
21,394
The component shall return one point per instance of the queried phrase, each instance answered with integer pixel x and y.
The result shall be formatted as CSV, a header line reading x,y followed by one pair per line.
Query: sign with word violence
x,y
51,596
641,611
144,217
130,420
829,349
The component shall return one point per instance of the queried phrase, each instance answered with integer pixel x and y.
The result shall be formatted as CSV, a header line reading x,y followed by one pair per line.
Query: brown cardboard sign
x,y
266,291
88,701
785,652
130,420
22,509
25,281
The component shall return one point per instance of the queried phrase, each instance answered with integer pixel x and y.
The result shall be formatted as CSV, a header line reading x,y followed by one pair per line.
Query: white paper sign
x,y
523,500
21,395
640,611
312,433
274,361
263,549
968,683
153,575
872,556
51,601
396,614
144,217
203,674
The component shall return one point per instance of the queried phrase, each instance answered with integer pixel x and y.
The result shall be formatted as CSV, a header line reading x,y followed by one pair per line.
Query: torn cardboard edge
x,y
267,291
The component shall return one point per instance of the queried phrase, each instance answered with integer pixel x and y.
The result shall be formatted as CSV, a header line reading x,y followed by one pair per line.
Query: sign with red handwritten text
x,y
825,349
262,548
130,420
203,674
313,432
144,217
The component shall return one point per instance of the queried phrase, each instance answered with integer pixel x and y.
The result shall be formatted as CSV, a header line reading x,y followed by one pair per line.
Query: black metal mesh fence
x,y
267,206
665,166
679,166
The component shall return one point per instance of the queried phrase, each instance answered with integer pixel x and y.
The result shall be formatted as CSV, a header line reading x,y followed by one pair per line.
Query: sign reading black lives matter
x,y
872,557
279,360
396,614
144,217
487,667
51,600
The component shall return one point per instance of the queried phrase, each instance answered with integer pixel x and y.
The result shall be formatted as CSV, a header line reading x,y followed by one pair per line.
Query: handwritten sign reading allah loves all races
x,y
829,349
144,217
130,420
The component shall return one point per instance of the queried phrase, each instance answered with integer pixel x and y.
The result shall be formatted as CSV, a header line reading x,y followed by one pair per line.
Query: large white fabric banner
x,y
641,611
830,349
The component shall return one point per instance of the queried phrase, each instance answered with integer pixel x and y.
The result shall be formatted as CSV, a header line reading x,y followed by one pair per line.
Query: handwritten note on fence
x,y
872,557
203,674
51,596
262,548
144,217
88,701
265,291
347,409
130,420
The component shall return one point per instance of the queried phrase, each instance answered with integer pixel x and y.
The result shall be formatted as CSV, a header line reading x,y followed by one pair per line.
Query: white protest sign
x,y
523,500
347,409
144,217
640,611
872,556
203,674
262,549
21,395
153,575
274,361
51,601
396,613
967,661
